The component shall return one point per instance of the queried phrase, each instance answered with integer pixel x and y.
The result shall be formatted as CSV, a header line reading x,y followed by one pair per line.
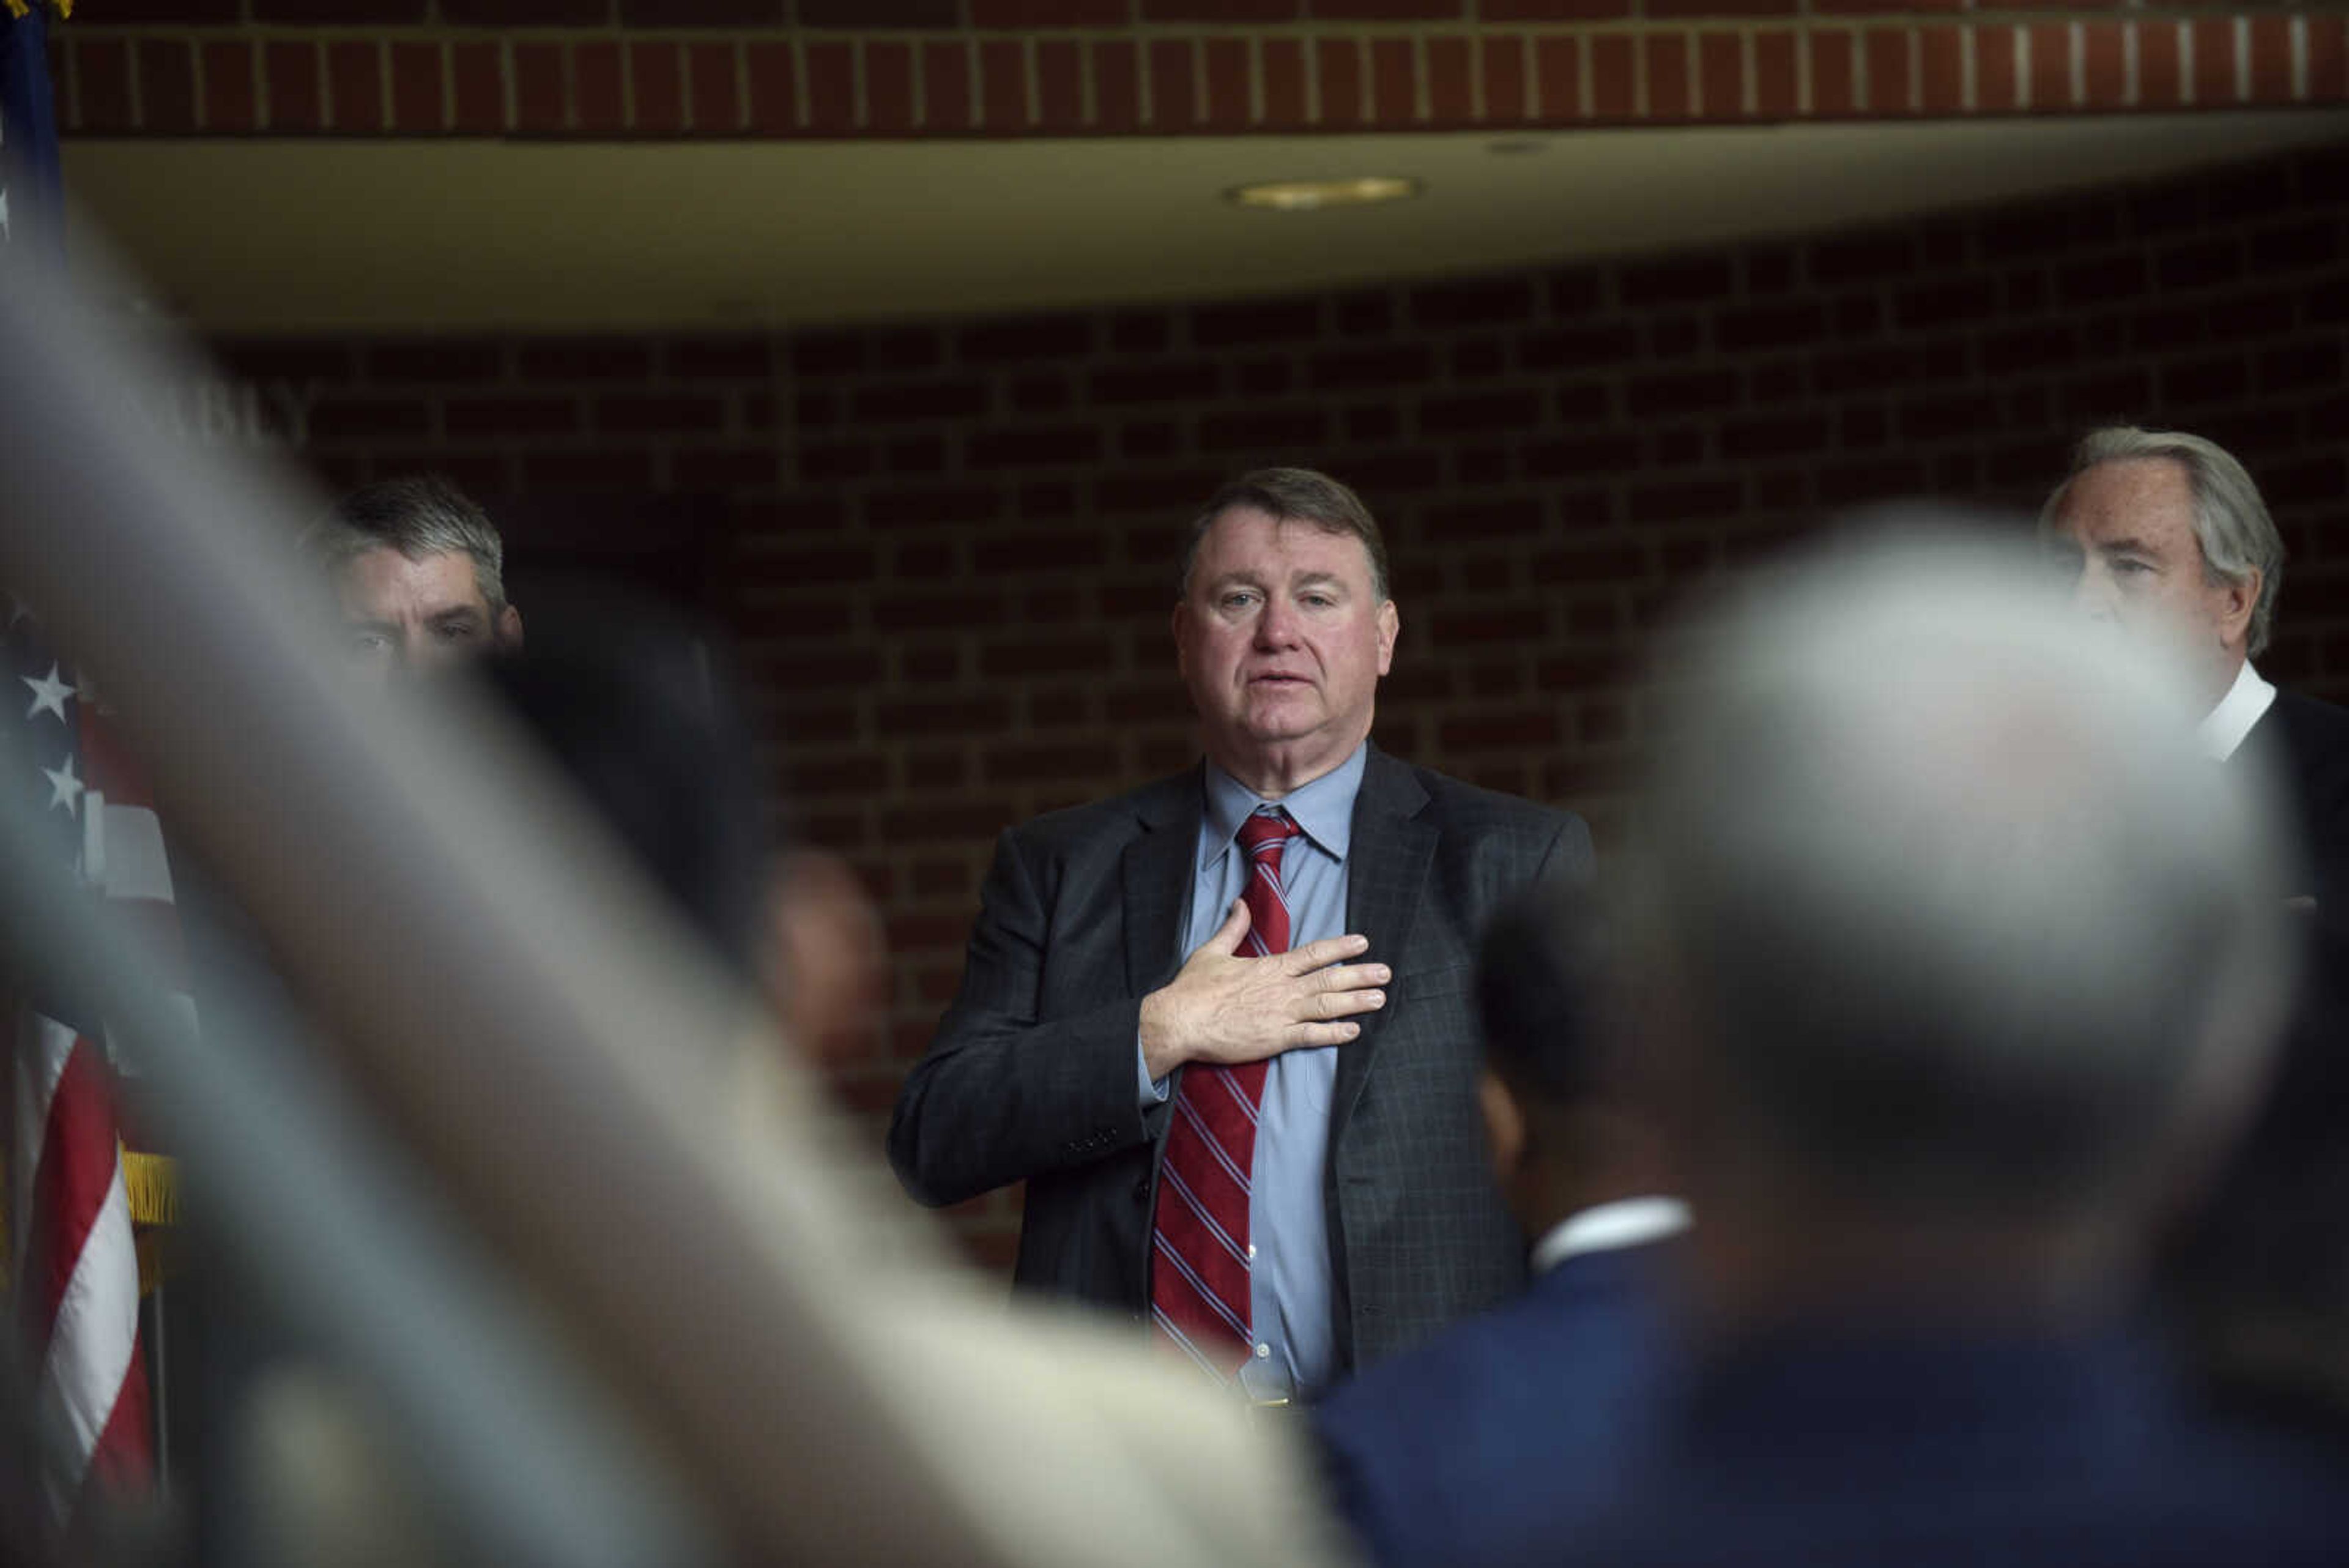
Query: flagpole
x,y
160,1388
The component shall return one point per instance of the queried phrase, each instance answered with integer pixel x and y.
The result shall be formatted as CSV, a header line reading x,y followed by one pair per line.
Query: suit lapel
x,y
1386,876
1156,869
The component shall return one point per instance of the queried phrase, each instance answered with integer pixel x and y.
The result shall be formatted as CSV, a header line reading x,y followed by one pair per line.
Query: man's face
x,y
415,617
1282,640
2127,529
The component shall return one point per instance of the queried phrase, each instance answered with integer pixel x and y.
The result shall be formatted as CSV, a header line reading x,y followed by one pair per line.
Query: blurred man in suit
x,y
419,576
1960,959
1511,1429
1221,1026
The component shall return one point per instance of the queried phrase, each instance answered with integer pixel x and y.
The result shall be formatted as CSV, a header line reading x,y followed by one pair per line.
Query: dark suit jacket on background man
x,y
2172,541
1518,1426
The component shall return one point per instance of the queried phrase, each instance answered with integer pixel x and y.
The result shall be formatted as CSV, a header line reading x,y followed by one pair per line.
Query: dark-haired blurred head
x,y
641,713
1564,1133
641,716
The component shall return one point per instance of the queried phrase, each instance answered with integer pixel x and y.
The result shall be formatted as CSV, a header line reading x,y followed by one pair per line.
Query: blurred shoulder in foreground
x,y
1512,1428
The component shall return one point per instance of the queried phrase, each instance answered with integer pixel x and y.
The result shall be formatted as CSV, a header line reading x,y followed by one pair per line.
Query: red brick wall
x,y
660,68
954,539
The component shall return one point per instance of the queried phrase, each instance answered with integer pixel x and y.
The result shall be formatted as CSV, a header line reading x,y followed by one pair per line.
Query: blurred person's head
x,y
418,577
1565,1135
2168,539
1284,626
643,717
1957,957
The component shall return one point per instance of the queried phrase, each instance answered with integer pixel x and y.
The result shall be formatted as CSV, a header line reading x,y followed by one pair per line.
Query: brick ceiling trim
x,y
1026,69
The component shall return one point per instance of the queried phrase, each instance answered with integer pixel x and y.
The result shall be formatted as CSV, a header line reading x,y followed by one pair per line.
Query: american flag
x,y
74,1266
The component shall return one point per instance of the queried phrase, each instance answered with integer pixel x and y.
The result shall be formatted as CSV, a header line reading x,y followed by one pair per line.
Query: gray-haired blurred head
x,y
1952,915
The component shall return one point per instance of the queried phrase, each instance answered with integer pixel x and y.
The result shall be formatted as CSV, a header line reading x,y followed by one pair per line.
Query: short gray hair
x,y
1303,494
1952,910
2230,520
418,516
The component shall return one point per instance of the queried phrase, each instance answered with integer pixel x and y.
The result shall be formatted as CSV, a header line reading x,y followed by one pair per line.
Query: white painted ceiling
x,y
290,236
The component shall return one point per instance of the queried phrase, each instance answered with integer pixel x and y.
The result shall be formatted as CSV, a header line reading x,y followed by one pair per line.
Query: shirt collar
x,y
1324,808
1605,1227
2223,728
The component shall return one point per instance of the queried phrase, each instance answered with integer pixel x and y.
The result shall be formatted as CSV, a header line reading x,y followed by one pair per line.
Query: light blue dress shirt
x,y
1288,1233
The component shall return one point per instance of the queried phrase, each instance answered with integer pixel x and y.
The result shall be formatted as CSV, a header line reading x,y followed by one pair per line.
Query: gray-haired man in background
x,y
419,574
2169,541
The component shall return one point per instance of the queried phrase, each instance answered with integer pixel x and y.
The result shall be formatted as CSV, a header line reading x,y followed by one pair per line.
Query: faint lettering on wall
x,y
272,415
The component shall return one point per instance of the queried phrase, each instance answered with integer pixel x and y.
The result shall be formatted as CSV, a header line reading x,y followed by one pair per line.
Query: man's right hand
x,y
1223,1008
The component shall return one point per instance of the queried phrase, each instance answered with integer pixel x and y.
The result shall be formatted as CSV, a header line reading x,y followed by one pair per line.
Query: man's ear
x,y
1389,627
2240,599
509,627
826,967
1504,1125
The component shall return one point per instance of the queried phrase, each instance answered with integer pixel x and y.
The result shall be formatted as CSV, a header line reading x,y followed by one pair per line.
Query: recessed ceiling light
x,y
1312,195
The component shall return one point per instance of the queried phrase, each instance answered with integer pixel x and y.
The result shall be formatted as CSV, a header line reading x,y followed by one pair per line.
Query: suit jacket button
x,y
1141,1190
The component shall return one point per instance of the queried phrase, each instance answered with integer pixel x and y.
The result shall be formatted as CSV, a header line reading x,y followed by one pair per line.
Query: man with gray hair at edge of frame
x,y
2167,538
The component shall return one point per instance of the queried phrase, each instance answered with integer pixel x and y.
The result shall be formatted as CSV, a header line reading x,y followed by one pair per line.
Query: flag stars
x,y
50,695
64,789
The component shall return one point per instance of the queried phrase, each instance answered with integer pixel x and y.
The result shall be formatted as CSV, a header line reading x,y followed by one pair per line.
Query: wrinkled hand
x,y
1220,1007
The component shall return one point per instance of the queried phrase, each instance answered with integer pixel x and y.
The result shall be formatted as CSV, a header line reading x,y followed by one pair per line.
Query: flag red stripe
x,y
77,1166
107,767
124,1459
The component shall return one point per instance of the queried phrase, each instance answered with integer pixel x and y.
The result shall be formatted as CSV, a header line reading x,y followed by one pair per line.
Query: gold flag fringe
x,y
152,1181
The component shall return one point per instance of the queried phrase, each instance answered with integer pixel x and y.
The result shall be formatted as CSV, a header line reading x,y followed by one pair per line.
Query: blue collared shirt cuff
x,y
1154,1090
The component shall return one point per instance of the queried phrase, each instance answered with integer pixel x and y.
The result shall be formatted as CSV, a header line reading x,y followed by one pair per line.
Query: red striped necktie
x,y
1199,1248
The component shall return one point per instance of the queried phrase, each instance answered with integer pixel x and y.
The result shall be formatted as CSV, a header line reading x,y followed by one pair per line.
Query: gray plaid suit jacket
x,y
1032,1075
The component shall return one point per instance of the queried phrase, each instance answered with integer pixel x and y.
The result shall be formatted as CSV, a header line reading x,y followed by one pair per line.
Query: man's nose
x,y
412,655
1277,627
2093,596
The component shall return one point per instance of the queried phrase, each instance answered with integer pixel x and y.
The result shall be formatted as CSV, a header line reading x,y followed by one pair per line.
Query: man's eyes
x,y
1248,598
2129,565
457,632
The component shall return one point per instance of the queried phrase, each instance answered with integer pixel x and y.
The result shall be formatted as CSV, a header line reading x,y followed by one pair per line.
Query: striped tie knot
x,y
1267,832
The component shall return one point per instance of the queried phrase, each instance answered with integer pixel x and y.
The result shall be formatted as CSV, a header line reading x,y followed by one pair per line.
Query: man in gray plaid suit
x,y
1117,970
